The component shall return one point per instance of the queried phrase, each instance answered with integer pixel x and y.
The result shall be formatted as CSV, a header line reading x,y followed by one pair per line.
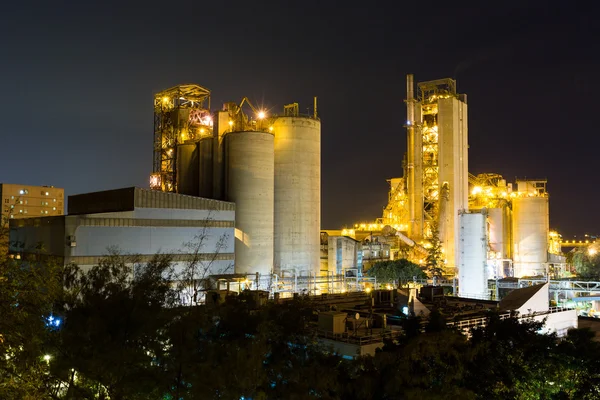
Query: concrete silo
x,y
187,169
249,182
297,194
530,226
205,167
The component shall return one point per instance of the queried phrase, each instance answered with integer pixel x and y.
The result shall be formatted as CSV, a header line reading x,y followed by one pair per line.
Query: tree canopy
x,y
125,334
396,270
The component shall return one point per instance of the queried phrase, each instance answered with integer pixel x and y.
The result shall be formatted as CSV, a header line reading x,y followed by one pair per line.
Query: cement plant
x,y
244,184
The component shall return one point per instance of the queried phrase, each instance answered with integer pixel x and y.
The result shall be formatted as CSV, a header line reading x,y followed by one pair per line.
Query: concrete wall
x,y
559,322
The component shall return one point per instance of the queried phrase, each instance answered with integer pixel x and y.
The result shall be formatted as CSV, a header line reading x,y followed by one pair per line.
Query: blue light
x,y
53,322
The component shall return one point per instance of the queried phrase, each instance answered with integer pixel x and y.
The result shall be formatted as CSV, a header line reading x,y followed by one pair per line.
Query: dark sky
x,y
78,79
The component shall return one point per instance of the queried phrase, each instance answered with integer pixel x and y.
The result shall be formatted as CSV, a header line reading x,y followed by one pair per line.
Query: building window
x,y
6,200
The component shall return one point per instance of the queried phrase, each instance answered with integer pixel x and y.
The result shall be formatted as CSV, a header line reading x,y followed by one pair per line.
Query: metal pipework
x,y
410,165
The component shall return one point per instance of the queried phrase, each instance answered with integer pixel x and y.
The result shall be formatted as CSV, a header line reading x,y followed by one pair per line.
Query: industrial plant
x,y
235,193
488,228
254,175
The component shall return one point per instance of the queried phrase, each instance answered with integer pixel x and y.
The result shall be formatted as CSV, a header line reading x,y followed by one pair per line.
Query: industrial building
x,y
136,222
268,165
488,229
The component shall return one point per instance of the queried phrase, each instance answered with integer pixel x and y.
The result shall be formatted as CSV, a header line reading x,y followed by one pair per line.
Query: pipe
x,y
410,150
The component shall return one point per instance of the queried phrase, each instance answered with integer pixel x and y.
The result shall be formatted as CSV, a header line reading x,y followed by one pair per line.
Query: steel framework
x,y
181,113
428,95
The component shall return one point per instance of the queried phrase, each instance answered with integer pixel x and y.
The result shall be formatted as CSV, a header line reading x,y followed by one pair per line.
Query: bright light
x,y
476,190
165,99
230,123
592,252
47,357
368,289
261,114
155,181
21,191
271,129
388,286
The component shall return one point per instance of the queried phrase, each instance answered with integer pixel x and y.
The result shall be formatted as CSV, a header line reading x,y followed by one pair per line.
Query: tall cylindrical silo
x,y
530,235
297,194
249,181
205,167
187,169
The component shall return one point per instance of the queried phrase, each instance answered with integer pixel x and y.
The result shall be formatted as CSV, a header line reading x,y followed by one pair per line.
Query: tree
x,y
396,270
28,289
435,263
116,316
587,262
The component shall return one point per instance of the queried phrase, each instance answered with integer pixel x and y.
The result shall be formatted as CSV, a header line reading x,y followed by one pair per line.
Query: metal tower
x,y
181,114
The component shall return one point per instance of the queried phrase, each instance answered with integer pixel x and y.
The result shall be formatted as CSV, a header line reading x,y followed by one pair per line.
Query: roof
x,y
518,297
128,199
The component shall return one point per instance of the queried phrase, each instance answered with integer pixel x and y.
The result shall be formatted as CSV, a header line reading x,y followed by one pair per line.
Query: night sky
x,y
78,79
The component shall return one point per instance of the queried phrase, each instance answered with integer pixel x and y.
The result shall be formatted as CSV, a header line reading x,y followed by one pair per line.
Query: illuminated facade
x,y
25,201
269,165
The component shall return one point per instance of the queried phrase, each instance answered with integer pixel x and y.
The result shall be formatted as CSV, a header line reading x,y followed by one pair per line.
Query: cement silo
x,y
205,167
297,194
187,169
249,182
530,235
472,255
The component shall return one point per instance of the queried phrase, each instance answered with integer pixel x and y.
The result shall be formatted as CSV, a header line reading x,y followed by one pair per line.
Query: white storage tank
x,y
499,231
530,235
249,181
297,194
472,256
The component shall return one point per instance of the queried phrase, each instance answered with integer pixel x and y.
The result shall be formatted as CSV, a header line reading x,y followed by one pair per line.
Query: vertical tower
x,y
297,191
181,115
437,160
249,177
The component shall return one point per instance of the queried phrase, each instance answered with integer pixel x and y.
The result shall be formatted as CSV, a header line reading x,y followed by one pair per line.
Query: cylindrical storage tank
x,y
472,256
187,169
530,235
205,167
249,180
499,231
297,194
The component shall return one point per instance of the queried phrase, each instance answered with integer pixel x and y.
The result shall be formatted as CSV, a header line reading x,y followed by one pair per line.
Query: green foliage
x,y
587,262
397,270
435,263
126,336
27,292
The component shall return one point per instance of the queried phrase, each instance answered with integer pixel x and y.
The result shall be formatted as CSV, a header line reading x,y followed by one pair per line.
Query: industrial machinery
x,y
269,165
181,115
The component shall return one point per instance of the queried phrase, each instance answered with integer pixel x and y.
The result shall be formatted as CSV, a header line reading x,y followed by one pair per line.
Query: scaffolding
x,y
181,113
428,95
